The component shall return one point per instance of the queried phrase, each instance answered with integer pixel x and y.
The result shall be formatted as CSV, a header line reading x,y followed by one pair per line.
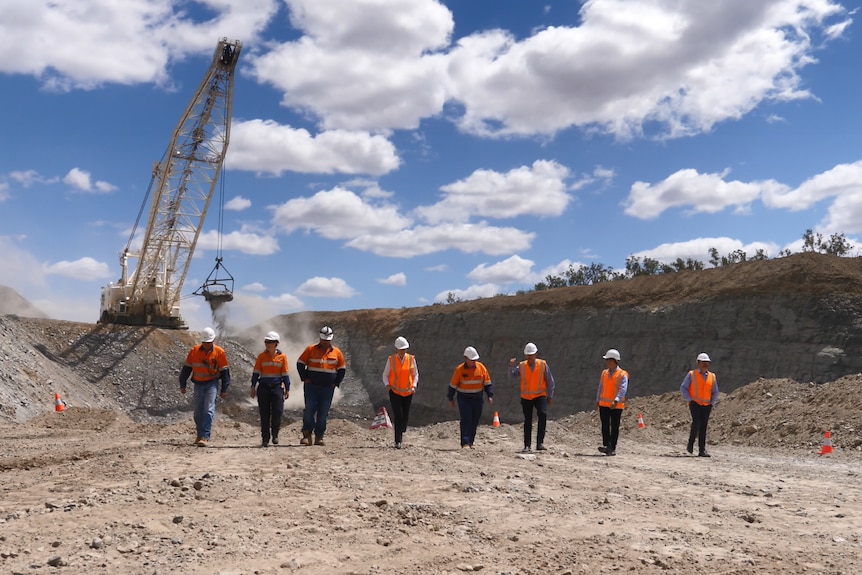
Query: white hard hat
x,y
401,343
208,335
272,336
326,333
471,353
612,354
530,349
703,357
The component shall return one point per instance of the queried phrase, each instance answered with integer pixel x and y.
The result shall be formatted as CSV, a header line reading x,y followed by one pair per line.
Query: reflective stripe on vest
x,y
700,389
401,374
206,365
611,387
471,380
533,380
317,359
271,366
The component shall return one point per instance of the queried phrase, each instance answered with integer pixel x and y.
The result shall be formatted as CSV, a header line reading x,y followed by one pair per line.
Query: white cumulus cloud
x,y
270,148
399,279
238,204
325,287
512,269
84,269
337,214
538,190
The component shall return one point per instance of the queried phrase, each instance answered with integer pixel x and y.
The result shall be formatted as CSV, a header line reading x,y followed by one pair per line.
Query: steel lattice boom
x,y
183,186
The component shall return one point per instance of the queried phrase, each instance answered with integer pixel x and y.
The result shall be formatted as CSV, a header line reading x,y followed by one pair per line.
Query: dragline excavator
x,y
182,186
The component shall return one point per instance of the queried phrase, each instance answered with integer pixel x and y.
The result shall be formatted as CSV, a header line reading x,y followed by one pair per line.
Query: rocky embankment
x,y
796,318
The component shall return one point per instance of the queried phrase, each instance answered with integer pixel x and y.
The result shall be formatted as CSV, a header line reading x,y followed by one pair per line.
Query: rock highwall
x,y
805,338
796,317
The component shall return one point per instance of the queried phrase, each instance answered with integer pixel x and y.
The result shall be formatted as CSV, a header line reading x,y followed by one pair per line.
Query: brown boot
x,y
318,440
306,438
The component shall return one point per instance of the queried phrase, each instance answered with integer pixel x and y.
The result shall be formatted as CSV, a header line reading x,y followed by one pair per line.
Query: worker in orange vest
x,y
469,381
401,376
206,363
611,400
537,392
321,368
700,390
270,383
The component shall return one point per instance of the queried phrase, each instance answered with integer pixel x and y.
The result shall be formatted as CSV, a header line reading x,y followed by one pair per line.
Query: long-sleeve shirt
x,y
470,381
271,369
321,365
415,370
686,385
550,384
205,366
621,390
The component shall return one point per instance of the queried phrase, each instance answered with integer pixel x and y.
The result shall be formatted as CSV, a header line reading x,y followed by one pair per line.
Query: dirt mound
x,y
769,413
11,302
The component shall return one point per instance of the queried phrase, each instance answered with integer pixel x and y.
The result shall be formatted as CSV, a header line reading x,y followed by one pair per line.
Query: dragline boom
x,y
182,186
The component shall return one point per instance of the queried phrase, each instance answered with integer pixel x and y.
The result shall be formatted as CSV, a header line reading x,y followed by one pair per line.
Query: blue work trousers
x,y
470,408
318,400
270,404
205,404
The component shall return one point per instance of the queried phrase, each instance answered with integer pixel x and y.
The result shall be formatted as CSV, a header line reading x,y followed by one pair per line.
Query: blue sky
x,y
386,153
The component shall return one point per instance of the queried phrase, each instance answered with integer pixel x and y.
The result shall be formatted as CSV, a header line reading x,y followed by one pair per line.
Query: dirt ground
x,y
89,491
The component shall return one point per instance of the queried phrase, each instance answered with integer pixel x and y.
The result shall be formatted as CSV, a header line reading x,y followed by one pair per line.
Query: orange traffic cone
x,y
496,419
58,403
827,444
641,423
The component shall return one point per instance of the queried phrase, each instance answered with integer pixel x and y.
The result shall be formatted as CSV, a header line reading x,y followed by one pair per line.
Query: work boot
x,y
306,438
603,449
541,447
318,440
275,440
202,442
526,449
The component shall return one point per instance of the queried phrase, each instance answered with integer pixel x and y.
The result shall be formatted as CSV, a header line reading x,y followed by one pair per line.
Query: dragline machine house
x,y
182,186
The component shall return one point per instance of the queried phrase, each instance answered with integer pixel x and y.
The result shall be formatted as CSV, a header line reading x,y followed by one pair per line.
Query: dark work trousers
x,y
400,413
470,408
270,403
541,406
699,420
610,426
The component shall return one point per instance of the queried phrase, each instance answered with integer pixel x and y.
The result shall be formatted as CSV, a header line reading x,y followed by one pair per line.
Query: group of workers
x,y
321,368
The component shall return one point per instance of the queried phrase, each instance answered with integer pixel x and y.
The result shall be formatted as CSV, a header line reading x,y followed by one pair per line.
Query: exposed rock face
x,y
797,317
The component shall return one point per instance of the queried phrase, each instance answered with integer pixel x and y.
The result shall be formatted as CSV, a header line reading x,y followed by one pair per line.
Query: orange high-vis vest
x,y
700,389
470,379
610,387
533,380
206,365
401,374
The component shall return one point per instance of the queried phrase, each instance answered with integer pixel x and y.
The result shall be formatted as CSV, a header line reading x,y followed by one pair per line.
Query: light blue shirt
x,y
623,389
686,384
550,384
